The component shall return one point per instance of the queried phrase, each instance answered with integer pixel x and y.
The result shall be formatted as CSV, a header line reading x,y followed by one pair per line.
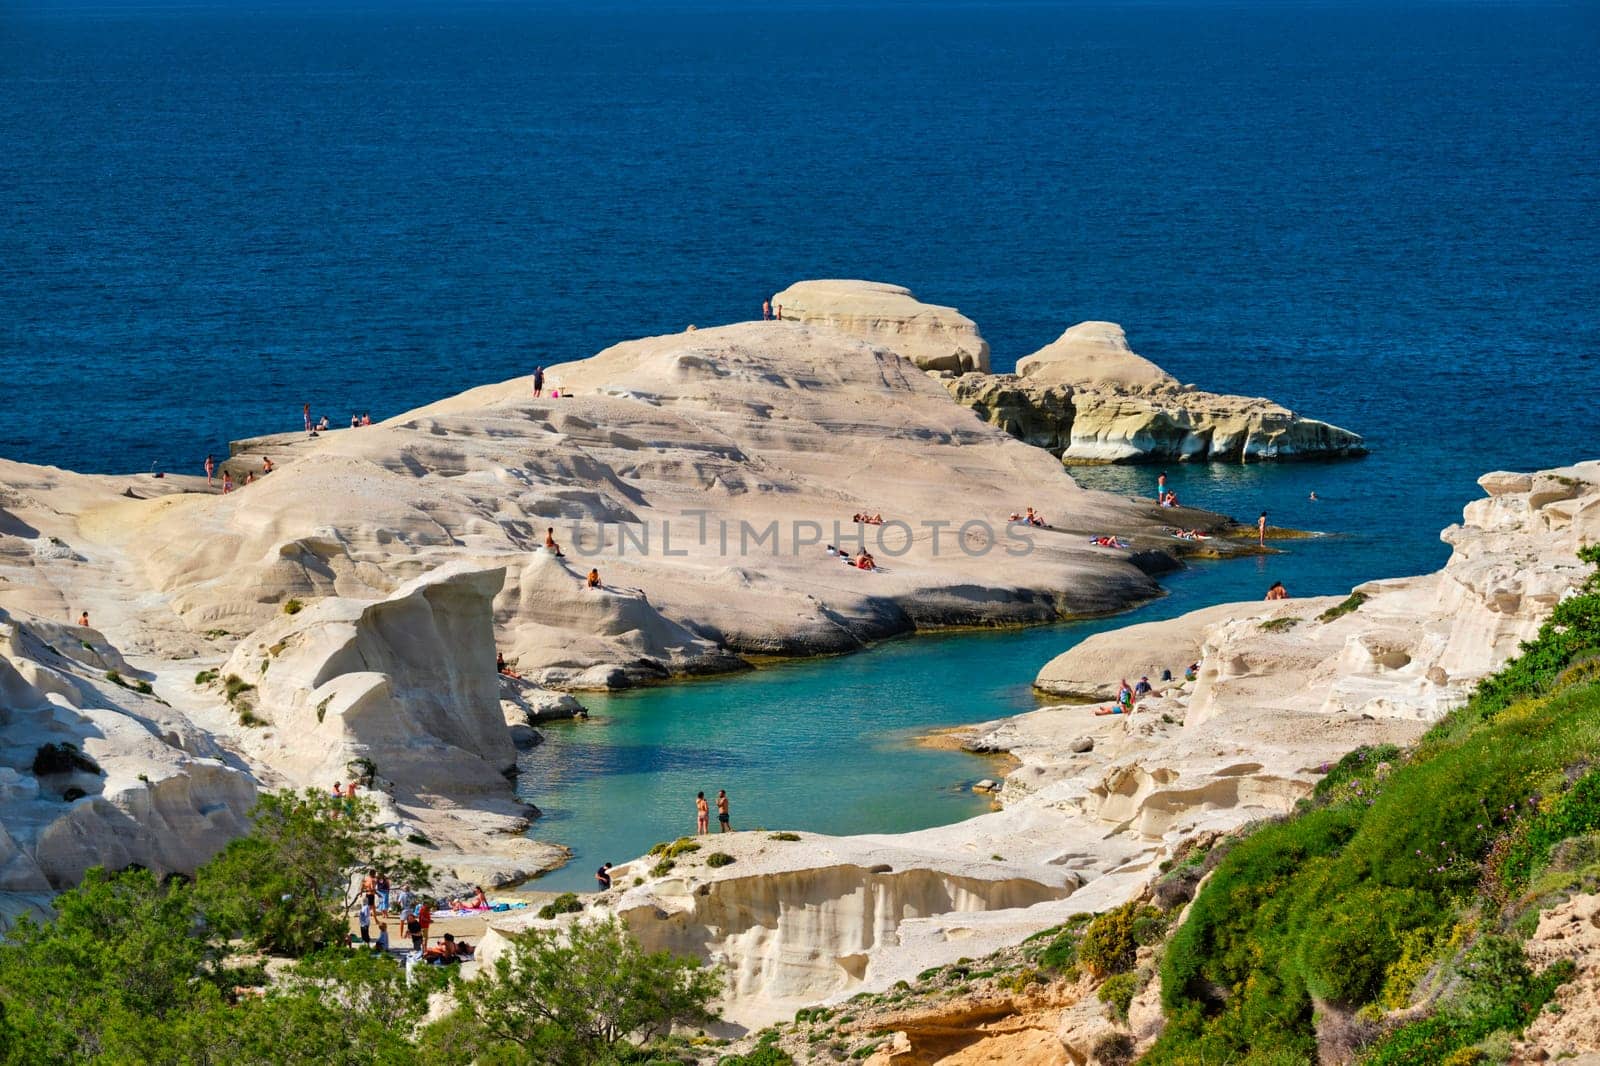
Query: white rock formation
x,y
416,550
407,683
1089,398
933,337
149,789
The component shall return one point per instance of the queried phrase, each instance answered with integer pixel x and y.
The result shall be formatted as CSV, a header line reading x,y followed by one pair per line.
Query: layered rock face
x,y
933,337
406,683
1089,398
138,784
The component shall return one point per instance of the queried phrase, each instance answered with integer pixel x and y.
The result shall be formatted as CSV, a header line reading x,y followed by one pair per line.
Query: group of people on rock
x,y
1187,534
1128,695
227,475
771,312
864,519
1029,517
862,561
1277,591
316,428
538,385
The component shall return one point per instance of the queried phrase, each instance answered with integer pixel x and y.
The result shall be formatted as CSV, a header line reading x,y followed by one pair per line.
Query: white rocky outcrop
x,y
933,337
1089,398
701,474
406,683
147,789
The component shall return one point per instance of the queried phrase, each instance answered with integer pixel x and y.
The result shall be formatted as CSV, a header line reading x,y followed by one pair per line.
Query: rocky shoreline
x,y
1096,804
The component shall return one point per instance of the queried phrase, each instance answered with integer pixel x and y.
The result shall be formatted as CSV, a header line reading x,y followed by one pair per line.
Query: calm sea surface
x,y
1381,214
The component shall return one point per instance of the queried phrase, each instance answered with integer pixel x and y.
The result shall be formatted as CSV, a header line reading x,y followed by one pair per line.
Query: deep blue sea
x,y
1384,214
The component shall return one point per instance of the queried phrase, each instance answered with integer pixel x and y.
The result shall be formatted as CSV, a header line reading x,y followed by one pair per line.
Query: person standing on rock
x,y
364,920
211,468
227,482
777,312
305,411
538,382
722,811
424,921
702,814
1261,529
766,310
1161,488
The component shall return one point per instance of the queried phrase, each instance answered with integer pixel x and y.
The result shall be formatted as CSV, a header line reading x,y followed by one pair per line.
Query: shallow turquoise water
x,y
826,745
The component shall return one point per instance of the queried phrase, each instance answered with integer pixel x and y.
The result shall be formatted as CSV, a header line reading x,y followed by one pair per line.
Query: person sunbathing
x,y
445,952
865,561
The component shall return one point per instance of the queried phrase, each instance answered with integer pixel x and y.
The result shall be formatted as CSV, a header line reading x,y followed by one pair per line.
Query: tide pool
x,y
829,744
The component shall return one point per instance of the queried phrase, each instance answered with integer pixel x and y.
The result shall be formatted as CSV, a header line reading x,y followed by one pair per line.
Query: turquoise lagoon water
x,y
828,745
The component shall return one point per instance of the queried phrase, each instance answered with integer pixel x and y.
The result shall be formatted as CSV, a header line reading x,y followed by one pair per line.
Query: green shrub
x,y
115,678
1574,813
234,686
1370,885
205,677
566,903
1350,603
63,758
1118,992
719,858
784,836
671,849
1112,940
1278,625
292,606
1021,980
662,868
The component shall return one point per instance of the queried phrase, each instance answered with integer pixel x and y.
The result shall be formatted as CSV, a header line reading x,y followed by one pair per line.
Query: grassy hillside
x,y
1385,918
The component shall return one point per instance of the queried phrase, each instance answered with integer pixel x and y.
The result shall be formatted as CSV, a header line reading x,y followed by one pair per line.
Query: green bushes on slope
x,y
1346,906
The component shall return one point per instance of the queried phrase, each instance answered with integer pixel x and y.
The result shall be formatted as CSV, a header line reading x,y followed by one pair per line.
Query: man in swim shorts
x,y
722,811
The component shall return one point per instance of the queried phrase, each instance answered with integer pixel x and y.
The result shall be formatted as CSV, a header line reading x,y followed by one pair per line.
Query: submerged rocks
x,y
1089,398
933,337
